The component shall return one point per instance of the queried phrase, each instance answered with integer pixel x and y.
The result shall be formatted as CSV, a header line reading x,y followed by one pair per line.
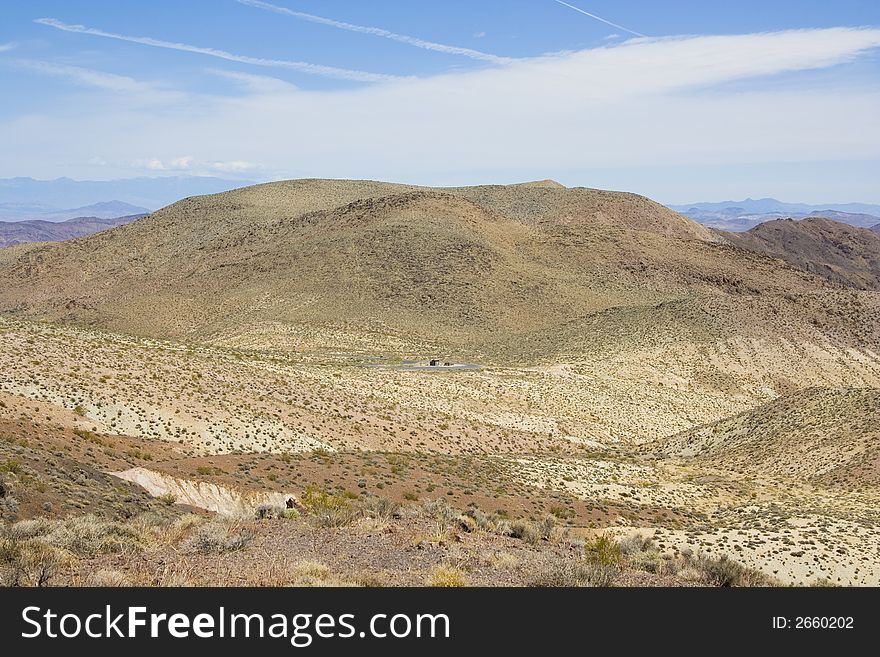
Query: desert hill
x,y
461,268
827,435
843,254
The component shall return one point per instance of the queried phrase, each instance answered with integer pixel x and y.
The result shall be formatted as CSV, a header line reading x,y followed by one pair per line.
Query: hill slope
x,y
462,269
821,435
843,254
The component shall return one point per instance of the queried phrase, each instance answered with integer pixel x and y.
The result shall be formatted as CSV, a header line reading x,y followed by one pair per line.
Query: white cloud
x,y
181,163
86,77
380,32
302,67
648,102
259,84
235,166
5,47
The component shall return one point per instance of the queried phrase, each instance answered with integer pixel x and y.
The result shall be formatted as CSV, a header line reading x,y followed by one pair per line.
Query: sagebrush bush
x,y
562,572
603,550
219,536
326,509
447,577
30,562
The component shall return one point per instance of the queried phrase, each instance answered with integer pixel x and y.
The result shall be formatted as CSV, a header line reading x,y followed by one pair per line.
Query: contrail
x,y
302,67
599,18
379,32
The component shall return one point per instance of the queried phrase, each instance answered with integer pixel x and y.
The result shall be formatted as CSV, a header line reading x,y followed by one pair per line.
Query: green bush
x,y
603,550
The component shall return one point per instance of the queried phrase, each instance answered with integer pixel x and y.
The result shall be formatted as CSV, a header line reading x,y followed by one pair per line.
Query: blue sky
x,y
717,100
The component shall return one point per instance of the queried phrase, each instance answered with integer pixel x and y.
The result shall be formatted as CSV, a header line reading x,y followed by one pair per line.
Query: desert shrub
x,y
724,571
380,508
440,510
31,562
290,514
546,527
326,509
487,522
525,530
81,535
268,512
12,466
219,536
168,499
532,532
715,571
561,572
371,579
636,543
447,577
310,572
603,550
26,529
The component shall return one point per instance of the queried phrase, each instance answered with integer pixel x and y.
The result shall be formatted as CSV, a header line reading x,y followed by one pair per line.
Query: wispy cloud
x,y
260,84
380,32
5,47
600,19
302,67
647,103
87,77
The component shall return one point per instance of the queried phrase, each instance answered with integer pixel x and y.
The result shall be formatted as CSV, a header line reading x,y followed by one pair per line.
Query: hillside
x,y
23,232
843,254
462,269
825,435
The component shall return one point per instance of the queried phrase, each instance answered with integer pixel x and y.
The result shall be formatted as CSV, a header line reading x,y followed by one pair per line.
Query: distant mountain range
x,y
22,232
25,212
744,215
27,198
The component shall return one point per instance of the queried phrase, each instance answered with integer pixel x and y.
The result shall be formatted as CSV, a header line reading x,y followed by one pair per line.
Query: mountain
x,y
841,253
22,232
473,269
33,195
771,205
745,215
876,228
17,212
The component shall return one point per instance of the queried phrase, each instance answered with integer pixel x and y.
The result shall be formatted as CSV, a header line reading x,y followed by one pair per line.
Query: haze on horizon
x,y
754,101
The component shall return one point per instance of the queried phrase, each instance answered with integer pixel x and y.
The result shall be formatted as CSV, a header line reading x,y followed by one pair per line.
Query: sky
x,y
680,100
